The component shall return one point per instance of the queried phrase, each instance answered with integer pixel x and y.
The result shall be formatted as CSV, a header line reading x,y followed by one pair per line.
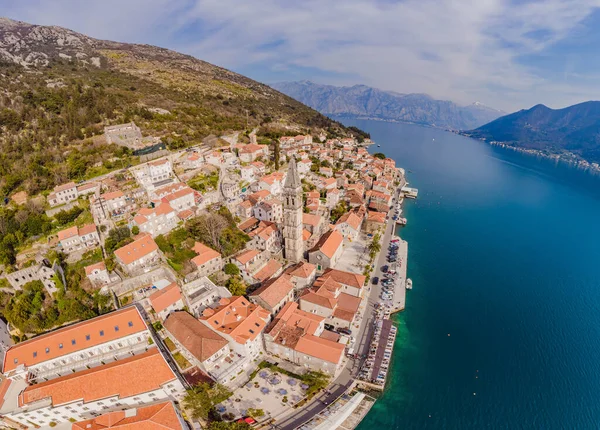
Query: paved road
x,y
346,377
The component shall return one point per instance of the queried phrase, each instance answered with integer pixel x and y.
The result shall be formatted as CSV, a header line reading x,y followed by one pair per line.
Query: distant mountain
x,y
363,101
574,129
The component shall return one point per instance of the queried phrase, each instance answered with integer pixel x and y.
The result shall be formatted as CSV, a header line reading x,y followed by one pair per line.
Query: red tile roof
x,y
238,318
162,299
320,348
268,270
136,249
124,378
329,243
161,416
73,338
247,255
205,254
98,266
347,278
197,338
275,290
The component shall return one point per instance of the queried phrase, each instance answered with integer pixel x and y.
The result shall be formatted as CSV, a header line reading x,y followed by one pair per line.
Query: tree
x,y
231,269
340,209
135,230
276,155
222,425
208,228
236,286
256,413
315,380
375,245
202,399
379,155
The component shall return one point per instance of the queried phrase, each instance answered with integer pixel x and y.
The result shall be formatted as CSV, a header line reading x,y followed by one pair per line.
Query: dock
x,y
409,193
399,302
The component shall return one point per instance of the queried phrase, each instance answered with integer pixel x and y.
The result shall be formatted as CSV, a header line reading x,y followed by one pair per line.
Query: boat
x,y
379,146
401,221
409,284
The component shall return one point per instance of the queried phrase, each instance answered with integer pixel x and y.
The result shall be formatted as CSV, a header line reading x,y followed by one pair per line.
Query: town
x,y
232,281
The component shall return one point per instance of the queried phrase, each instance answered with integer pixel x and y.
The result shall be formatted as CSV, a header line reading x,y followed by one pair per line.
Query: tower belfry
x,y
292,215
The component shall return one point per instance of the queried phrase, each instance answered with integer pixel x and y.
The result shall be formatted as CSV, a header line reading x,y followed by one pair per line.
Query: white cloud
x,y
464,50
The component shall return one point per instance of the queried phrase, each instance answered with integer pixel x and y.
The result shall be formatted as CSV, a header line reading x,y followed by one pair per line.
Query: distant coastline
x,y
563,156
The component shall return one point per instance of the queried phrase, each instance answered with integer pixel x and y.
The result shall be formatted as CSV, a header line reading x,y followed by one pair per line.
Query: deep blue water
x,y
504,253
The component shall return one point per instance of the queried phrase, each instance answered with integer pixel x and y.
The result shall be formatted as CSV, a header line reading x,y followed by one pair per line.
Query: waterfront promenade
x,y
363,338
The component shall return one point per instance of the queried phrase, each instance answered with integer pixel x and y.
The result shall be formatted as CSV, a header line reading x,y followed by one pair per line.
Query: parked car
x,y
385,268
375,280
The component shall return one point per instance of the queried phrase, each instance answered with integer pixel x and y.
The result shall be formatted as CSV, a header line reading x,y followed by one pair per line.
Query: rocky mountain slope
x,y
363,101
59,88
574,129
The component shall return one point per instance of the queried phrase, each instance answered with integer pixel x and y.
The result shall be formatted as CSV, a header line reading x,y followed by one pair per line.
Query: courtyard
x,y
269,390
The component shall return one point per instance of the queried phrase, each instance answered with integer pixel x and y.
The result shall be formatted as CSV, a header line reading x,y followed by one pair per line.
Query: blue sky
x,y
507,54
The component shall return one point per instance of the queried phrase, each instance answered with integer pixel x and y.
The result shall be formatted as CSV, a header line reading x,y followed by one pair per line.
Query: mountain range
x,y
60,88
367,102
574,129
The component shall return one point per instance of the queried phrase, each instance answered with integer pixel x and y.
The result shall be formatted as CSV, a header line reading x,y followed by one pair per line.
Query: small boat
x,y
379,146
409,284
401,221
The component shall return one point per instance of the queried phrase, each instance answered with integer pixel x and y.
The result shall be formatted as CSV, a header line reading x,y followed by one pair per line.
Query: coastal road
x,y
346,377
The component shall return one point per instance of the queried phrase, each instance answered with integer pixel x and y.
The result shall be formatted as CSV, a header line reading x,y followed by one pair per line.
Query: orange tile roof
x,y
238,318
99,266
318,299
162,299
268,270
293,316
347,278
350,218
123,378
305,234
178,194
250,148
113,195
205,254
329,243
64,187
275,290
185,214
67,233
320,348
160,416
275,176
376,217
137,249
197,338
247,255
73,338
259,195
159,162
302,270
311,219
87,229
343,314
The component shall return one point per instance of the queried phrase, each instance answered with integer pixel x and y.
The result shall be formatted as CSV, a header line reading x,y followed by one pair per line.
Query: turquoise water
x,y
502,328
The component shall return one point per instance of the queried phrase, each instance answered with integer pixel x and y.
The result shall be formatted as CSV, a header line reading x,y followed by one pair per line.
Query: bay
x,y
502,328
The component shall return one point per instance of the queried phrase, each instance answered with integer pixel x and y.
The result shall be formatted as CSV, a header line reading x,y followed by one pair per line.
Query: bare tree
x,y
208,228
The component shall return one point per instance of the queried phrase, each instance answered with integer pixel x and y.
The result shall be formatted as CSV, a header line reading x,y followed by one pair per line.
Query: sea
x,y
502,327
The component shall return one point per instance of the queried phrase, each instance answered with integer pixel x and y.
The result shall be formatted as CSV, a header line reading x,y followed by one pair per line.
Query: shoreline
x,y
339,411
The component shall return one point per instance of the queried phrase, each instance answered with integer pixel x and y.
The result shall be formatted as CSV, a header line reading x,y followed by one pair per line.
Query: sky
x,y
507,54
